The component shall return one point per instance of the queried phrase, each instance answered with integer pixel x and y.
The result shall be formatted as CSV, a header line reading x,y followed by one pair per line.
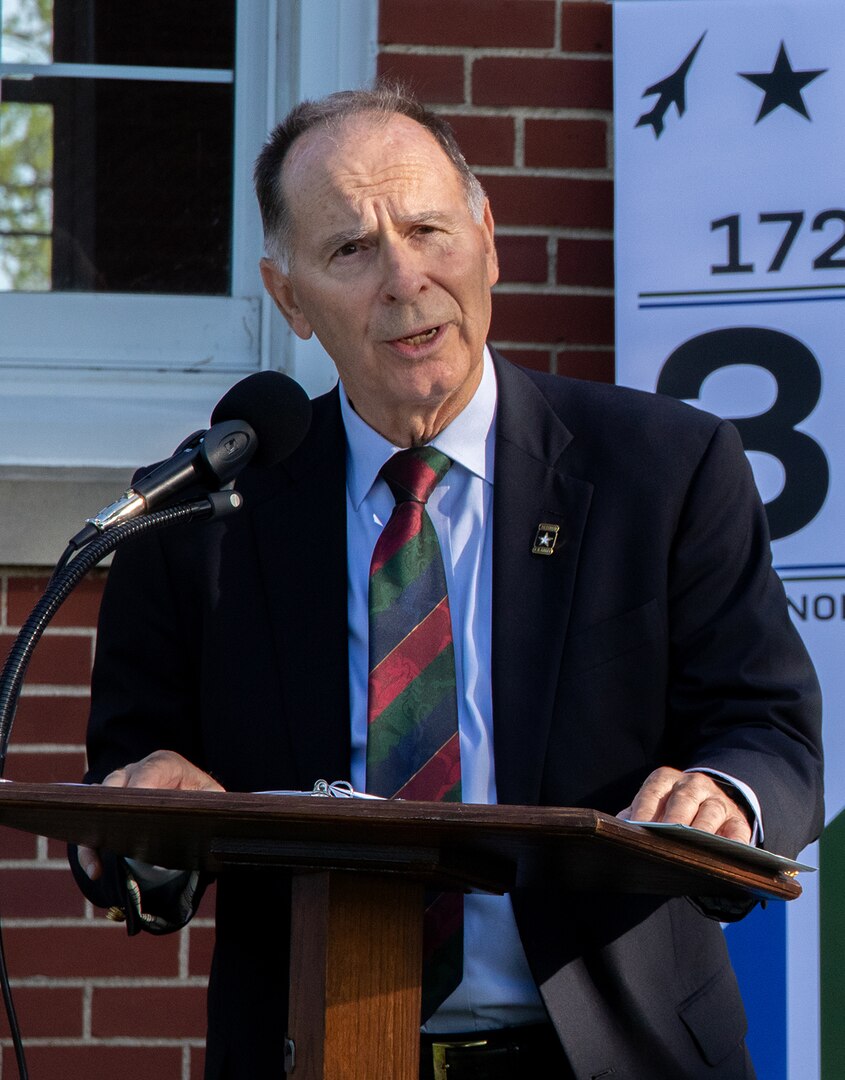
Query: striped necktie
x,y
413,749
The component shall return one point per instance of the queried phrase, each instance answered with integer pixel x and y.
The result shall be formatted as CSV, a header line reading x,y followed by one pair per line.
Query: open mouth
x,y
420,339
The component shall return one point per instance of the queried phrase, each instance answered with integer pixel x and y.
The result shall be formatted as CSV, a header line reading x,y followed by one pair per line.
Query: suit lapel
x,y
301,539
532,593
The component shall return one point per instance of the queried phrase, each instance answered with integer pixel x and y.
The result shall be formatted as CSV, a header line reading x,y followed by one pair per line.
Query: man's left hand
x,y
689,798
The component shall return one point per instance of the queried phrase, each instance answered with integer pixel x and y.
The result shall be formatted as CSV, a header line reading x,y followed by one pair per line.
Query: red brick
x,y
58,659
80,609
537,359
208,903
585,262
523,258
51,720
513,24
15,844
37,894
542,82
566,144
158,1012
485,140
594,364
582,320
587,28
51,768
436,80
100,1062
99,950
597,365
46,1011
197,1063
550,201
200,948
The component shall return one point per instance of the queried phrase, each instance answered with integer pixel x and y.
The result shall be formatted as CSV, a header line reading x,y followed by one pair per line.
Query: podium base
x,y
356,958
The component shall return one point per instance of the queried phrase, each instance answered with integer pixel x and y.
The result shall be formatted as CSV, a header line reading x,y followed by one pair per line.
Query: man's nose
x,y
403,274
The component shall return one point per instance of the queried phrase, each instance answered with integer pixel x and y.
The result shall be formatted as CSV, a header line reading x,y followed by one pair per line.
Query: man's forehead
x,y
363,144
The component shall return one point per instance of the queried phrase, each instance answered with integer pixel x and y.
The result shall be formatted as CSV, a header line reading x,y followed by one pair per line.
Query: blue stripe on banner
x,y
757,946
736,303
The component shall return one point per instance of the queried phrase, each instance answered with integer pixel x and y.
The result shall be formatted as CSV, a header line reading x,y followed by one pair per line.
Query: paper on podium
x,y
722,845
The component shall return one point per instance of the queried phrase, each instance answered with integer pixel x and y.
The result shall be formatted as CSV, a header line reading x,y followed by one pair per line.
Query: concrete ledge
x,y
42,507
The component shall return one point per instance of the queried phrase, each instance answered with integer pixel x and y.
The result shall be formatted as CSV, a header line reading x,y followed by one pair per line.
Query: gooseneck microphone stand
x,y
74,564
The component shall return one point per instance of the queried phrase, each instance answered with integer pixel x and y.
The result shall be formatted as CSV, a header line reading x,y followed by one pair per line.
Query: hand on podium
x,y
161,769
690,798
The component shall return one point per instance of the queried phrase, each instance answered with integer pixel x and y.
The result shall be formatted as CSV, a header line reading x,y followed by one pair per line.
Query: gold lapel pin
x,y
545,539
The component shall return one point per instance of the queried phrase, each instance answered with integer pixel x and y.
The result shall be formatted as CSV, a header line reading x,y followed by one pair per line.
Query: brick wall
x,y
527,86
92,1003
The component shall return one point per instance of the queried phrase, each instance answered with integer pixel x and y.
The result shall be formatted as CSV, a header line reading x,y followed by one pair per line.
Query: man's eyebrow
x,y
338,239
356,234
428,217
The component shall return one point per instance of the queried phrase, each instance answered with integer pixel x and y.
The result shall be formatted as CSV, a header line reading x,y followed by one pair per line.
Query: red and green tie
x,y
413,749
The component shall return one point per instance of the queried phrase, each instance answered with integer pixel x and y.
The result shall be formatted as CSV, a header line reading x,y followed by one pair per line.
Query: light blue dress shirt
x,y
497,989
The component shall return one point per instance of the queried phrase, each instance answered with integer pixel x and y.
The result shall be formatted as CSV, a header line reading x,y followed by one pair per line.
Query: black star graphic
x,y
782,86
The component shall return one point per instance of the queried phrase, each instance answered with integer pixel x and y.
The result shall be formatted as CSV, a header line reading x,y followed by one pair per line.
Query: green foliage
x,y
26,195
27,28
26,155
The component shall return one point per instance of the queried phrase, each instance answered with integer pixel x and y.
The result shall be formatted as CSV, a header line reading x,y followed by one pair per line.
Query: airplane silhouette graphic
x,y
672,90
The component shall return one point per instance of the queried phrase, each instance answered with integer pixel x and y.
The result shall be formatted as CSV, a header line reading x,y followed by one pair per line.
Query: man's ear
x,y
488,229
280,287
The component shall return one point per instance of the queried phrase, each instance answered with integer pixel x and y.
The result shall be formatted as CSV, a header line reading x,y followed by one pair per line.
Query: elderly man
x,y
600,626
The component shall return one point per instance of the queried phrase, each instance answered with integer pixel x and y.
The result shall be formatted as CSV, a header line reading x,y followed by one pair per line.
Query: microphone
x,y
263,417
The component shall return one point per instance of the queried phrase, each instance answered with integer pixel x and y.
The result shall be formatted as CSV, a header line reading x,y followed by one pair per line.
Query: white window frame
x,y
115,380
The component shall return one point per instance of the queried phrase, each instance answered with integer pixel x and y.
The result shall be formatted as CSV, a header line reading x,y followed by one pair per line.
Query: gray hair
x,y
384,101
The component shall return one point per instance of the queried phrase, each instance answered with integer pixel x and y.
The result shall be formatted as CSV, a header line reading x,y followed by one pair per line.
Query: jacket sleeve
x,y
743,697
142,700
144,684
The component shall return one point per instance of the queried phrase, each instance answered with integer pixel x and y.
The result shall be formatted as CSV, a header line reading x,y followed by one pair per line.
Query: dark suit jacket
x,y
655,635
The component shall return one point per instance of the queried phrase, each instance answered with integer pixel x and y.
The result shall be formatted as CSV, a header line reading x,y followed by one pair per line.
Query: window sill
x,y
43,507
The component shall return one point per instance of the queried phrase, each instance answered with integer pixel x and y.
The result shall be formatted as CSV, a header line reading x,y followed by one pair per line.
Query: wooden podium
x,y
360,867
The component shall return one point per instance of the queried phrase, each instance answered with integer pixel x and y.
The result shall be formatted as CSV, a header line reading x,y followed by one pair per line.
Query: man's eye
x,y
348,249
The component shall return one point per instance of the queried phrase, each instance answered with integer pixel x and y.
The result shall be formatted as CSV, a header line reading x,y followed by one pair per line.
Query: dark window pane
x,y
165,33
142,183
128,187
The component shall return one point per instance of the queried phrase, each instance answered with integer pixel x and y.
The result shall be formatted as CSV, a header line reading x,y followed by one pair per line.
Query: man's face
x,y
389,270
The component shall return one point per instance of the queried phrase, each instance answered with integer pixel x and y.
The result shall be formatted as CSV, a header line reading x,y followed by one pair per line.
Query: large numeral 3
x,y
798,378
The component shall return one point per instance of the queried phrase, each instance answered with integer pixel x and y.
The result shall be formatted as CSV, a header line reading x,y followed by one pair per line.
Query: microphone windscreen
x,y
275,406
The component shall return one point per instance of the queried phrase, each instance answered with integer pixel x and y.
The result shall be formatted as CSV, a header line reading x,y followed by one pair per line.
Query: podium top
x,y
455,845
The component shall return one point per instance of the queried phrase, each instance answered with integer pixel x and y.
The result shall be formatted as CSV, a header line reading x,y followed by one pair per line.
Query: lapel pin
x,y
545,540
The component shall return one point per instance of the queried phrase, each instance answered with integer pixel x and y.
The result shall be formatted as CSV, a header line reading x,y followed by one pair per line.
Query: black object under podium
x,y
360,867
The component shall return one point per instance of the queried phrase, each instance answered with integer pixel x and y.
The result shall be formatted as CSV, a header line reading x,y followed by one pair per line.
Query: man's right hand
x,y
161,769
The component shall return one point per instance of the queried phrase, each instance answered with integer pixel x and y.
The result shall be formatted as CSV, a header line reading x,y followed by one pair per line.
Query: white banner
x,y
730,249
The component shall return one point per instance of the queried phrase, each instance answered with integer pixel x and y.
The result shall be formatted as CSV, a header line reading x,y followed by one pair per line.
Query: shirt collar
x,y
468,440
